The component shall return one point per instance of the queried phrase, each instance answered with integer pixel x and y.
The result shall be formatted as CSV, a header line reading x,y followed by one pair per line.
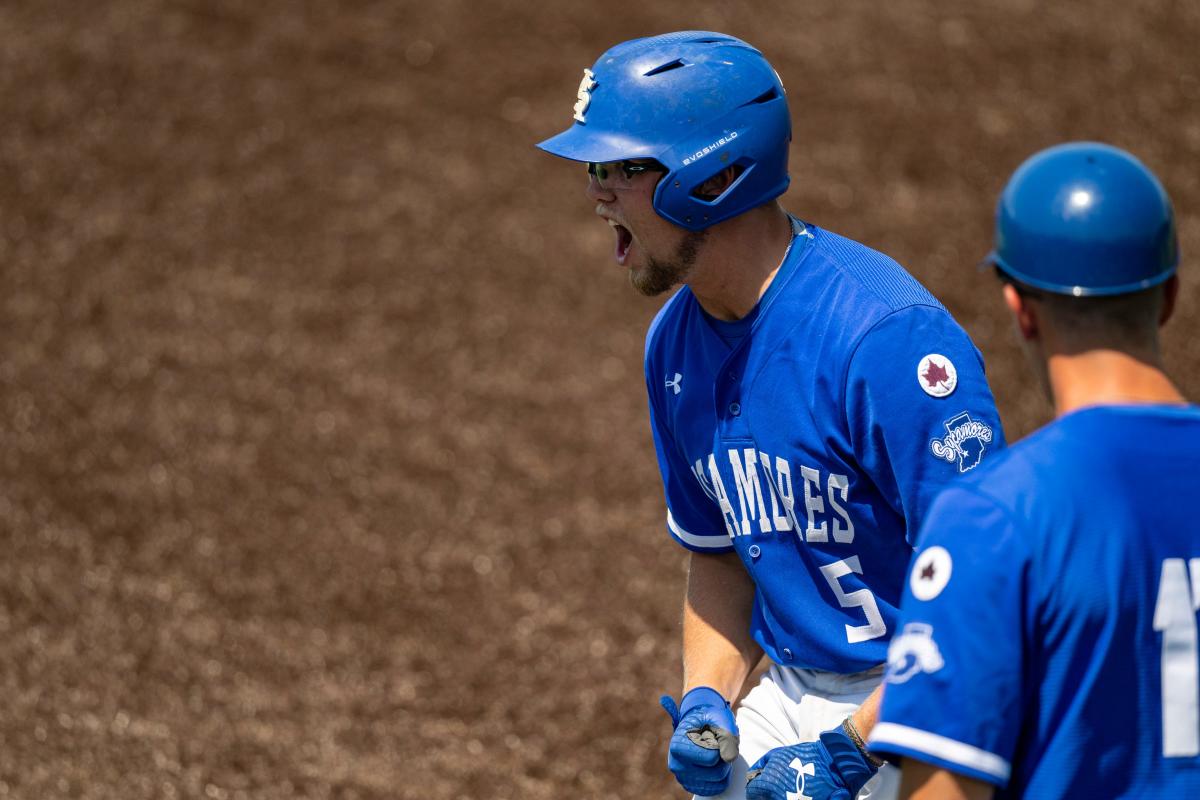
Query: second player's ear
x,y
715,186
1170,295
1023,312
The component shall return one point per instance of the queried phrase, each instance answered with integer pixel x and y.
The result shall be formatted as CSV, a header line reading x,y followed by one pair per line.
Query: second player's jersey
x,y
1049,640
810,436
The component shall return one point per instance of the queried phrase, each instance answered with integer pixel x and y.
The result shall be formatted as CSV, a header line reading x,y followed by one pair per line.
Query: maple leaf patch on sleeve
x,y
936,375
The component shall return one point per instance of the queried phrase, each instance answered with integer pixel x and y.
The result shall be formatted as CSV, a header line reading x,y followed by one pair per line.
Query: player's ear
x,y
1022,310
715,186
1170,295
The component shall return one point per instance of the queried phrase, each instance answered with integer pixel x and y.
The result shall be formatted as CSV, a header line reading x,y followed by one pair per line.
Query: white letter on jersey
x,y
778,522
731,523
1175,617
750,494
859,598
843,533
783,482
814,504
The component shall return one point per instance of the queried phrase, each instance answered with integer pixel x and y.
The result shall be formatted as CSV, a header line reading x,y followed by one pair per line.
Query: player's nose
x,y
595,192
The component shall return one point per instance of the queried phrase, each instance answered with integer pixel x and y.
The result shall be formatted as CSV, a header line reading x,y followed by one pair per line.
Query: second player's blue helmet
x,y
696,102
1085,219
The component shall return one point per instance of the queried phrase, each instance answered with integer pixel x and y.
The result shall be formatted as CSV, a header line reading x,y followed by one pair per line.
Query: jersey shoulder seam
x,y
880,296
862,337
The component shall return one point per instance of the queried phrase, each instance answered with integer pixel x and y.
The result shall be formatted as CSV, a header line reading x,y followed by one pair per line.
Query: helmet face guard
x,y
1085,219
696,102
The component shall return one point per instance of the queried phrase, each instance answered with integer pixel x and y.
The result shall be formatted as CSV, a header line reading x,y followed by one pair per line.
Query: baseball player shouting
x,y
808,398
1049,644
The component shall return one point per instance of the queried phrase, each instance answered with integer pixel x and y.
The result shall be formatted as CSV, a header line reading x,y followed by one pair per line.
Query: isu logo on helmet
x,y
585,94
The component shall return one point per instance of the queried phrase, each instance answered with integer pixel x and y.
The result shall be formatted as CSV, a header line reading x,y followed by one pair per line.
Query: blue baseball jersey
x,y
810,437
1049,640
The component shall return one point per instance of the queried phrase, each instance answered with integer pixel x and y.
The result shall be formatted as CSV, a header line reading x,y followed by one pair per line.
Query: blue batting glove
x,y
831,768
705,742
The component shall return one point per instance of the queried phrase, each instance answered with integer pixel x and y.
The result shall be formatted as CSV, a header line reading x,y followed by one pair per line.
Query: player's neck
x,y
1108,377
739,260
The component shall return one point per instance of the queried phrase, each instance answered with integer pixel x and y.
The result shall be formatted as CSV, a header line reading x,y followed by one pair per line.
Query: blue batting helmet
x,y
696,102
1085,219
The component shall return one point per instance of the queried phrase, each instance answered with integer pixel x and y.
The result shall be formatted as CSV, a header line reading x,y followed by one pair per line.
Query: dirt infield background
x,y
325,470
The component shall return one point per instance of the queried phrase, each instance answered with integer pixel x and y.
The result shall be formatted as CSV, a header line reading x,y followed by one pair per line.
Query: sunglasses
x,y
620,174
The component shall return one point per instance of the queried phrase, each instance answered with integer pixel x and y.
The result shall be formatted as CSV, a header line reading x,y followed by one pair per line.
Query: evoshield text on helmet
x,y
1085,219
696,102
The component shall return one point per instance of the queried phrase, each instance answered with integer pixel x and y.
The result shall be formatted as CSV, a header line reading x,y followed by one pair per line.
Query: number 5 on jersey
x,y
859,598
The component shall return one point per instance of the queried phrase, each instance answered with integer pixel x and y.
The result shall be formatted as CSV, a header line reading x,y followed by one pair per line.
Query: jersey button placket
x,y
755,551
735,408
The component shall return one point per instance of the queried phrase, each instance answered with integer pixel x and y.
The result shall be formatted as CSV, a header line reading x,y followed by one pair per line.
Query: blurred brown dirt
x,y
325,461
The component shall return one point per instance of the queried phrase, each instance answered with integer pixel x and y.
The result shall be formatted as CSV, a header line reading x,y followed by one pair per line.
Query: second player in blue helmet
x,y
1054,592
807,396
1085,219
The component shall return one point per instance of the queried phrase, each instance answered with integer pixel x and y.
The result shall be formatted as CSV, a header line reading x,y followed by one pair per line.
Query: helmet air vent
x,y
765,97
670,65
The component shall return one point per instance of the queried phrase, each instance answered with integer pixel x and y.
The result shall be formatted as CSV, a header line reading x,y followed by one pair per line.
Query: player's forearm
x,y
867,714
718,650
715,663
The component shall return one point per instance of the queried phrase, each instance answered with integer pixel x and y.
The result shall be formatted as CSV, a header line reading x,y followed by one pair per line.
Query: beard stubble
x,y
661,275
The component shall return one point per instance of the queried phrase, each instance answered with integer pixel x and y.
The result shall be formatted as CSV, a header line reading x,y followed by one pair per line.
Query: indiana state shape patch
x,y
965,441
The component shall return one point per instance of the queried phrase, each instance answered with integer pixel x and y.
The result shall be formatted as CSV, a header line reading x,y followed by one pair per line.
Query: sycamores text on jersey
x,y
764,497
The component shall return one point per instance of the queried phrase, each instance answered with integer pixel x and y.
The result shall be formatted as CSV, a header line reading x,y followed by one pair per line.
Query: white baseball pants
x,y
789,706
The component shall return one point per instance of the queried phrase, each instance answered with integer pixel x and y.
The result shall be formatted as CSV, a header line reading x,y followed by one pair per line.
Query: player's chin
x,y
653,278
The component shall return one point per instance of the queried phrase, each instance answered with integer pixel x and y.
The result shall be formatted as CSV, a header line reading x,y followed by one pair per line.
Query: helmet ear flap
x,y
755,140
721,183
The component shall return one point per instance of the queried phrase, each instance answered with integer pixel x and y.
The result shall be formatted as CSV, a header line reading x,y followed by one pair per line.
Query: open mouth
x,y
624,242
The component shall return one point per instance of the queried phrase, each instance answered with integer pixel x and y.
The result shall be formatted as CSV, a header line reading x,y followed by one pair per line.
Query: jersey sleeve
x,y
694,518
919,409
954,689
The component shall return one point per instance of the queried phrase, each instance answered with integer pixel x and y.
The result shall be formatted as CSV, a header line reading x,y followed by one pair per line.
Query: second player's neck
x,y
1109,377
739,261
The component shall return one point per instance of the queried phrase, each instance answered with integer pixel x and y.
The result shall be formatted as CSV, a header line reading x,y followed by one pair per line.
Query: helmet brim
x,y
995,260
578,143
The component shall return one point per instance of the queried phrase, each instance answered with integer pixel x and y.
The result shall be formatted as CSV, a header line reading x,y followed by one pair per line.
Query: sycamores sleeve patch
x,y
965,441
